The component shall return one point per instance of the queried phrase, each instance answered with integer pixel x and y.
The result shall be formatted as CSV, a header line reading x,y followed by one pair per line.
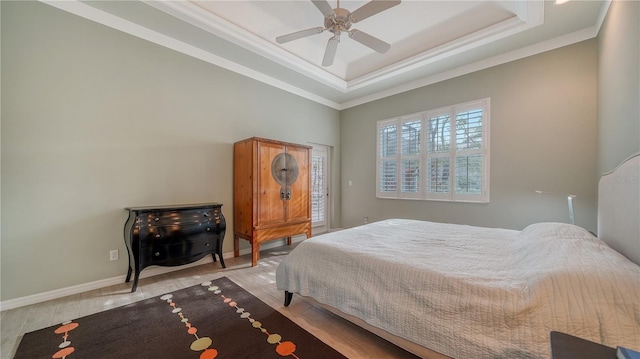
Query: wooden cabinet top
x,y
173,207
260,139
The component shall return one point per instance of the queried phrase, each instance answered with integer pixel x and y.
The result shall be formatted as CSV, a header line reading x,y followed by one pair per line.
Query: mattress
x,y
472,292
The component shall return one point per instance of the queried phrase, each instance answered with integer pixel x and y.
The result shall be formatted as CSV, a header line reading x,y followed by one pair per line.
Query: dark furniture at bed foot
x,y
565,346
172,235
287,298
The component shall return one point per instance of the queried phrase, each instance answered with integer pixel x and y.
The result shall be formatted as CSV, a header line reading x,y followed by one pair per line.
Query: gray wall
x,y
619,85
543,136
94,120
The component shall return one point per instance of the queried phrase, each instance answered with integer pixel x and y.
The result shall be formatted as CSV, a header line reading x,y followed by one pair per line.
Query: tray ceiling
x,y
430,40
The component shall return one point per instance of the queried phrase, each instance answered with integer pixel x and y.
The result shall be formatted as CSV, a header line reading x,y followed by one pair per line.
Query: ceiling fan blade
x,y
371,8
369,41
324,7
299,34
330,52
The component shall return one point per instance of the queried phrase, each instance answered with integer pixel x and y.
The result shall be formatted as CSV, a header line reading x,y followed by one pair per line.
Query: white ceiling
x,y
430,40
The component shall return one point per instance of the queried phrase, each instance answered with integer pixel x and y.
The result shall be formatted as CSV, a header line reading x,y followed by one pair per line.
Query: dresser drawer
x,y
178,253
175,233
165,218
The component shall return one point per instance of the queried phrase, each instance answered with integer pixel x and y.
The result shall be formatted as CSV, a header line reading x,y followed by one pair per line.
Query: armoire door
x,y
270,204
298,204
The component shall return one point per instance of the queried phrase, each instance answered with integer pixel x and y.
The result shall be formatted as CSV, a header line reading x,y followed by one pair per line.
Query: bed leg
x,y
287,298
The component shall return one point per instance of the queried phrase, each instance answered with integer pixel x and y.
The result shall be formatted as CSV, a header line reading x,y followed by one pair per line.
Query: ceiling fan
x,y
339,20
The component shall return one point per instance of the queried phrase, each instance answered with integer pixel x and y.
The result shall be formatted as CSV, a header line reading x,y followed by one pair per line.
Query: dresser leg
x,y
135,283
219,250
219,256
128,275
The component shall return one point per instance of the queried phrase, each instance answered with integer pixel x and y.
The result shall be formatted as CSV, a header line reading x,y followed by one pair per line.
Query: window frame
x,y
323,152
424,156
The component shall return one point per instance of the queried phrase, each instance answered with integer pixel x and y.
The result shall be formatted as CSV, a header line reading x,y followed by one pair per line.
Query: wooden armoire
x,y
271,192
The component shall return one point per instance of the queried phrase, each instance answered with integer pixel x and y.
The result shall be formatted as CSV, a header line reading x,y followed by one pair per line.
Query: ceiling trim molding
x,y
603,15
90,13
214,24
535,49
529,15
479,38
532,11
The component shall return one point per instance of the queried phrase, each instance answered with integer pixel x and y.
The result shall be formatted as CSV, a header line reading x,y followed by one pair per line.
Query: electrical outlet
x,y
113,255
365,220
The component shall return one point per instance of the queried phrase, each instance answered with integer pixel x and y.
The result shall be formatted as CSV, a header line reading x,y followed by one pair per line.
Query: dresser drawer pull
x,y
206,214
157,254
208,229
157,235
156,219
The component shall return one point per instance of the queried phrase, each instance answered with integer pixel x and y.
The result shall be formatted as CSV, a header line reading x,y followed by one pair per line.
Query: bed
x,y
445,290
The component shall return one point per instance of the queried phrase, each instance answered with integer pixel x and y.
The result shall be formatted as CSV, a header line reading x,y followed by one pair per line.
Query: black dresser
x,y
172,235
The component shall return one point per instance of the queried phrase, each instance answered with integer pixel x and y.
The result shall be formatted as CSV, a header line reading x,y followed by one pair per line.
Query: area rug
x,y
216,319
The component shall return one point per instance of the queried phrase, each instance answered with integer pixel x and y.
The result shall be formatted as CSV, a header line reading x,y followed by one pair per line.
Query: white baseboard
x,y
147,272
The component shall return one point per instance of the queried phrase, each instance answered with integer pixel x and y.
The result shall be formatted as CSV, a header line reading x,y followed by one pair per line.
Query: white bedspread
x,y
472,292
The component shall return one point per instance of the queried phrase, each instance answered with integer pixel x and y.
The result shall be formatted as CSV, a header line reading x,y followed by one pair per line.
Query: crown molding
x,y
529,15
533,14
535,49
214,24
603,15
90,13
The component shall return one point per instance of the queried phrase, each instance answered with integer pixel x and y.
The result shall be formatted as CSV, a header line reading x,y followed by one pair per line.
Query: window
x,y
319,189
441,154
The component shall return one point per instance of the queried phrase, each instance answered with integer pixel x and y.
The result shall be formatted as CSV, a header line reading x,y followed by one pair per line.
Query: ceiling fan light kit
x,y
339,20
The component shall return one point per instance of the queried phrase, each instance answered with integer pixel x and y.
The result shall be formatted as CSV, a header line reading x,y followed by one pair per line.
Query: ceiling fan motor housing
x,y
340,21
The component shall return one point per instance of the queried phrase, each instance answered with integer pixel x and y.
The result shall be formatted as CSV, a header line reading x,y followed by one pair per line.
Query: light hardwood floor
x,y
347,338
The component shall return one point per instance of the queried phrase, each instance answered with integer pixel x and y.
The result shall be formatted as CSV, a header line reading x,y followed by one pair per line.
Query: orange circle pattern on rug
x,y
200,344
284,349
65,347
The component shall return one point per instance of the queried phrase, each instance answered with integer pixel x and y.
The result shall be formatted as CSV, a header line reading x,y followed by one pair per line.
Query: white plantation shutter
x,y
438,181
469,152
471,164
387,176
318,189
438,149
436,155
410,157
